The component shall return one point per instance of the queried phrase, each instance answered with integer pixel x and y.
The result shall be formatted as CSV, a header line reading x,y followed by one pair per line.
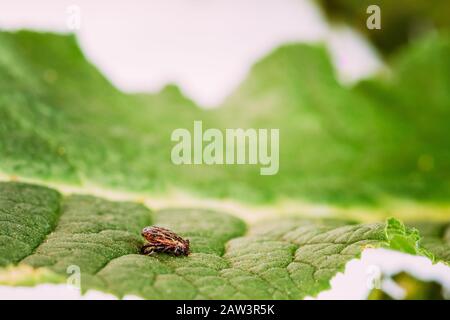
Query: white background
x,y
205,46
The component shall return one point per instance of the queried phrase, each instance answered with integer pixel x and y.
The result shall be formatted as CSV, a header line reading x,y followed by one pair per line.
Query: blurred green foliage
x,y
414,289
388,136
401,20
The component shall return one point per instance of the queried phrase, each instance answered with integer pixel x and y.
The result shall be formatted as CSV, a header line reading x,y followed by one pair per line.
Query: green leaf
x,y
436,239
28,214
287,258
61,119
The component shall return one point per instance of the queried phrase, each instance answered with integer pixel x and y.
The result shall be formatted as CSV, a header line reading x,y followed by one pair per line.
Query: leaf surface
x,y
287,258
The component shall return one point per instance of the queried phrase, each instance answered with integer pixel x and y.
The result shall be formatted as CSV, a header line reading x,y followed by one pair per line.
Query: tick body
x,y
163,240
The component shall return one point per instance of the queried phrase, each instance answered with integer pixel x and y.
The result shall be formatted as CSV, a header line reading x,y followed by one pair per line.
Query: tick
x,y
163,240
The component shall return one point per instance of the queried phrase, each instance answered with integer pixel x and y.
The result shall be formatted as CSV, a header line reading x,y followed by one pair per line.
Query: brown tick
x,y
163,240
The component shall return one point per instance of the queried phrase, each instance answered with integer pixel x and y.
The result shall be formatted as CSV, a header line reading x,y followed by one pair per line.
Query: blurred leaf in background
x,y
413,289
387,137
401,20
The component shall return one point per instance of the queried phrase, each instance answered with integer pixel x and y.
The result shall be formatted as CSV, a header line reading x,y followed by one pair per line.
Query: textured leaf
x,y
288,258
436,239
28,214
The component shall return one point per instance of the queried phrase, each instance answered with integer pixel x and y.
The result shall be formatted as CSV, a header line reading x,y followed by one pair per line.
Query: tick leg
x,y
147,249
145,246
